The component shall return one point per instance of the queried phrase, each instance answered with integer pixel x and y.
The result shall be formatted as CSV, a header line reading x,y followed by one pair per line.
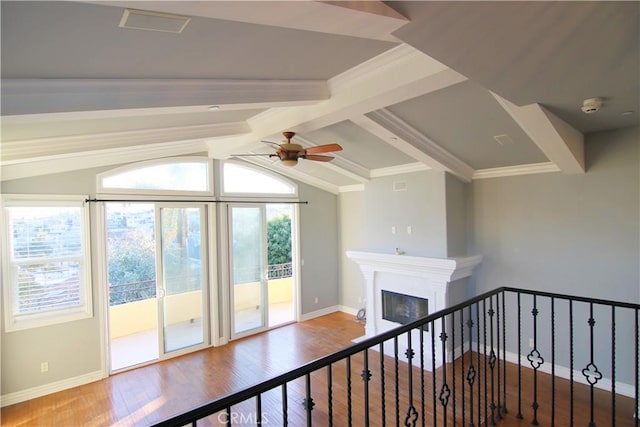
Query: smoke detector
x,y
591,105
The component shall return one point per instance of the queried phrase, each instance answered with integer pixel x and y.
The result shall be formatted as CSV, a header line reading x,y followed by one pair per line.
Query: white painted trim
x,y
102,294
564,372
43,390
319,313
348,310
419,146
351,188
400,169
529,169
46,95
559,141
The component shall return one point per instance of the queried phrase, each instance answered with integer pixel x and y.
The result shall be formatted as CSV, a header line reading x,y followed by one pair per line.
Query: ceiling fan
x,y
289,153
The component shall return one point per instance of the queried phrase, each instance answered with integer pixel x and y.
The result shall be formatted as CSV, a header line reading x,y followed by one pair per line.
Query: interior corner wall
x,y
351,211
456,216
570,234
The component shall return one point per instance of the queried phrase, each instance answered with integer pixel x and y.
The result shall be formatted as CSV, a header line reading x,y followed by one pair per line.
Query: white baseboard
x,y
348,310
564,372
42,390
321,312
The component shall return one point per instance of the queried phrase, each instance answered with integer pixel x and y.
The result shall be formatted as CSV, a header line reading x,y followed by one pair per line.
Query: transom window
x,y
169,175
240,179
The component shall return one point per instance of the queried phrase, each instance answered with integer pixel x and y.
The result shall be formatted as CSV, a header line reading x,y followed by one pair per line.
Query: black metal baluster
x,y
613,365
308,403
397,375
536,360
553,363
471,373
519,416
285,406
445,392
462,371
411,416
349,400
453,363
228,415
571,413
422,398
383,406
433,372
484,359
591,372
478,364
330,394
499,412
492,361
637,379
366,377
504,355
259,410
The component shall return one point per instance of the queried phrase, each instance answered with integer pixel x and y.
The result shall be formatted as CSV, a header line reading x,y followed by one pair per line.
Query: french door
x,y
156,263
262,292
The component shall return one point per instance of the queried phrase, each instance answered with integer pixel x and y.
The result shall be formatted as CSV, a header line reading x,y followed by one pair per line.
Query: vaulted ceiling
x,y
478,89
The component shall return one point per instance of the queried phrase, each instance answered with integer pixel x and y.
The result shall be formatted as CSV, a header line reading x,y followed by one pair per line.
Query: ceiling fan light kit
x,y
289,153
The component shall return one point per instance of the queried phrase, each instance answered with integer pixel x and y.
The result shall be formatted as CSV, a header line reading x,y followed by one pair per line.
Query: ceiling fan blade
x,y
273,144
317,157
323,148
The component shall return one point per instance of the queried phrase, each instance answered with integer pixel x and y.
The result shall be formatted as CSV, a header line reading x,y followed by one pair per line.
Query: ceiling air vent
x,y
503,139
153,21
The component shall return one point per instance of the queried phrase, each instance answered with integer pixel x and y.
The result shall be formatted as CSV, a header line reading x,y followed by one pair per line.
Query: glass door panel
x,y
131,270
182,277
248,268
279,254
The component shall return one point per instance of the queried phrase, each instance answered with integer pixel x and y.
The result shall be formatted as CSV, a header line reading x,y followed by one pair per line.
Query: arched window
x,y
184,175
247,181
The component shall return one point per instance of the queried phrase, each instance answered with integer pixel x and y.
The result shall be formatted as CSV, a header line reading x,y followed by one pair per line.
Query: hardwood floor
x,y
149,394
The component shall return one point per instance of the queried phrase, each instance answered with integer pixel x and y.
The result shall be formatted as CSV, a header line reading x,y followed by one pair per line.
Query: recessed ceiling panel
x,y
78,40
464,119
359,145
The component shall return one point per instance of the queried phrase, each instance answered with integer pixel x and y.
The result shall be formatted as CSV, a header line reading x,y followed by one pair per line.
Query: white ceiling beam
x,y
559,141
372,19
415,144
339,164
397,75
38,96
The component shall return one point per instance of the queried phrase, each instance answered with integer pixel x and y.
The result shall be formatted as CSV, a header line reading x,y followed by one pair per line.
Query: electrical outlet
x,y
315,300
531,342
44,367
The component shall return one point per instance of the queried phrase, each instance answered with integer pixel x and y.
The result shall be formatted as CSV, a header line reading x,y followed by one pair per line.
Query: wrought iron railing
x,y
470,368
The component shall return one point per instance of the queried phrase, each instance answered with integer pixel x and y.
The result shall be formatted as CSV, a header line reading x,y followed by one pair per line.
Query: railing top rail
x,y
573,298
242,395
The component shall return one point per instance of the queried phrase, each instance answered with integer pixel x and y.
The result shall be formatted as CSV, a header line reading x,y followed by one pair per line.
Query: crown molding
x,y
417,145
400,169
351,188
529,169
90,159
68,145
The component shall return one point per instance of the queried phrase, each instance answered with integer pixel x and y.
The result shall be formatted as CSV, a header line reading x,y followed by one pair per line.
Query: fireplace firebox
x,y
403,309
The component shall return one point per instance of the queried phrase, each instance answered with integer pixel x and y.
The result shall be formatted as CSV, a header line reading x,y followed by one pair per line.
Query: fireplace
x,y
403,309
401,288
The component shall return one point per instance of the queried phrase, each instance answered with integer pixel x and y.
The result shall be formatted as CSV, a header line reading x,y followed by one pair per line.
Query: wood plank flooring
x,y
151,393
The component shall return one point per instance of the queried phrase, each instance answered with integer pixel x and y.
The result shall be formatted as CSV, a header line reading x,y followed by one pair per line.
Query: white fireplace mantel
x,y
422,277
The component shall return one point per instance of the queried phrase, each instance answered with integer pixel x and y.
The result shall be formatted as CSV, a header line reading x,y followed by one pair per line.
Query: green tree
x,y
279,240
131,267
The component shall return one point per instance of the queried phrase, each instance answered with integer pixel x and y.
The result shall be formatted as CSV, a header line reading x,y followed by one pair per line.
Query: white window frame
x,y
251,196
101,189
15,322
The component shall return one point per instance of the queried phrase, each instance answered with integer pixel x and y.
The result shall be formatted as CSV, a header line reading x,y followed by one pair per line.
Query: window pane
x,y
47,286
45,231
239,179
184,176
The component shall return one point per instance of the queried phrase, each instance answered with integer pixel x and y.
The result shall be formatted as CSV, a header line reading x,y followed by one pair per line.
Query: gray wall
x,y
568,234
73,349
456,219
352,212
422,206
577,234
